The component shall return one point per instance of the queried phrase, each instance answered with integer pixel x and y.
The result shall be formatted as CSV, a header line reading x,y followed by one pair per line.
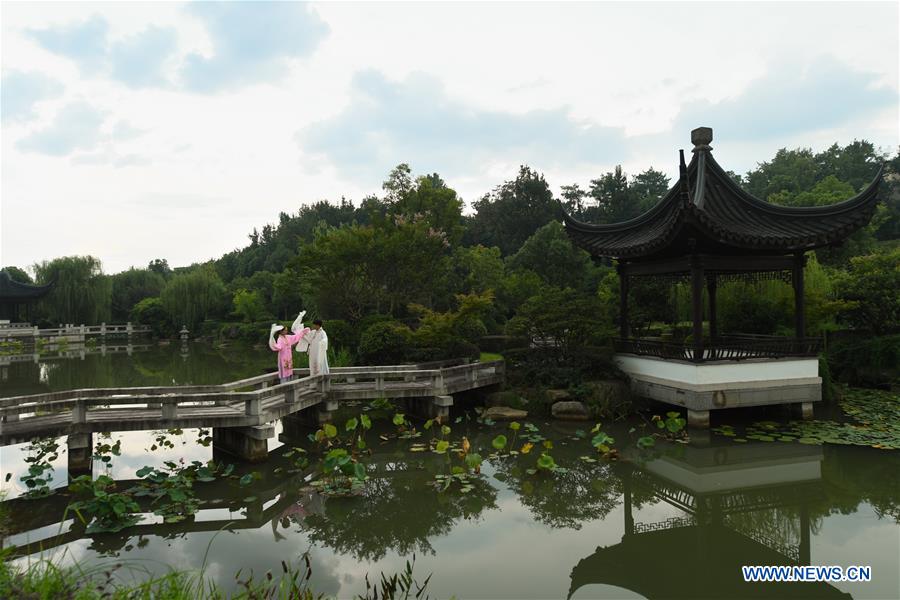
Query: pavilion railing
x,y
730,347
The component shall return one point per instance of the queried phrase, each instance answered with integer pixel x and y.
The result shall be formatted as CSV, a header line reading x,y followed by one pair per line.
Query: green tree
x,y
615,201
192,297
150,312
510,214
829,190
551,255
791,171
248,305
160,266
81,294
130,287
477,269
870,288
17,274
648,188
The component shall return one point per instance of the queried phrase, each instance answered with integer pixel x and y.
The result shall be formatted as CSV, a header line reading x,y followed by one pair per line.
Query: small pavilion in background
x,y
16,298
705,231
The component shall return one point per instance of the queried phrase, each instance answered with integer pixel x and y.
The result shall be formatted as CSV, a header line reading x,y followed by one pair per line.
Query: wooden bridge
x,y
241,413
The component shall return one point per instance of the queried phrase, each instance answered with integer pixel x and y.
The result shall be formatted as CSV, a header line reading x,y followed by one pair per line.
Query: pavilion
x,y
704,231
16,297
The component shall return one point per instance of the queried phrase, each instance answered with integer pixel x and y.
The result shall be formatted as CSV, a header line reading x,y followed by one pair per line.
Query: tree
x,y
870,287
573,200
551,255
829,190
398,184
791,171
17,274
160,266
615,200
648,188
249,305
432,202
81,294
510,214
150,312
476,269
130,287
190,298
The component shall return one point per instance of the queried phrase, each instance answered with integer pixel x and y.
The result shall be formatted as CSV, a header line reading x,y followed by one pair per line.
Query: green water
x,y
677,520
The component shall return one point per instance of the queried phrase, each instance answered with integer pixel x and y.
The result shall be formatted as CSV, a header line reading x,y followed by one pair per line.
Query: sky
x,y
134,131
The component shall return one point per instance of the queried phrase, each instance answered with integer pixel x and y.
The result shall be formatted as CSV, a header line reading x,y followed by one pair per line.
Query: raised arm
x,y
273,345
297,325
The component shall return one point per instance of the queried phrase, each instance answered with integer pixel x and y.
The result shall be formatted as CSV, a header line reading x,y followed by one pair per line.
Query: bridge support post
x,y
324,412
430,407
246,443
698,418
78,448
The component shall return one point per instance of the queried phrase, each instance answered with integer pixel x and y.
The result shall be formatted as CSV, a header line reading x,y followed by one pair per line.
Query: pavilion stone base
x,y
246,443
702,387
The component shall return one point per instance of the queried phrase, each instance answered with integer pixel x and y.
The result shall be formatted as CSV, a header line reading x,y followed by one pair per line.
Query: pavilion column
x,y
711,292
623,301
799,300
697,306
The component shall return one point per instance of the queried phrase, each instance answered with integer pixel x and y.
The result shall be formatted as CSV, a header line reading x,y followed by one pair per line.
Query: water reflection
x,y
129,365
676,521
740,505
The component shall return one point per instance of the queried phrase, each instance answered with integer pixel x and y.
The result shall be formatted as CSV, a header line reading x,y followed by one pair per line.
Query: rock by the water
x,y
504,413
558,395
570,411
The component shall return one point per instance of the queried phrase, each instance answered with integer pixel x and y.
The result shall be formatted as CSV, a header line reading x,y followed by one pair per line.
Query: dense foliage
x,y
398,274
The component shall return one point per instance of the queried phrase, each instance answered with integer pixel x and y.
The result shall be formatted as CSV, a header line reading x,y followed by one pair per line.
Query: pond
x,y
672,520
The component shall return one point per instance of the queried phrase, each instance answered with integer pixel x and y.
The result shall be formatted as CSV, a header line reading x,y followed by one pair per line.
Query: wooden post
x,y
799,302
713,325
623,300
697,306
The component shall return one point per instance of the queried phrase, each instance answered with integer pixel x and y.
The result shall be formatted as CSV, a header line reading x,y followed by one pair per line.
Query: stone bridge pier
x,y
79,450
246,443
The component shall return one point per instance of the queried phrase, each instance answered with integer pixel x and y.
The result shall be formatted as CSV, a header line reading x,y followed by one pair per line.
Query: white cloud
x,y
468,90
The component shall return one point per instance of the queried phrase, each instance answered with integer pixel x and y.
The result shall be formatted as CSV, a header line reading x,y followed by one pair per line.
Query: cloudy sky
x,y
135,131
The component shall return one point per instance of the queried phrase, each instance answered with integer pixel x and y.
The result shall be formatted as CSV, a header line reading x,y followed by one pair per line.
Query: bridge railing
x,y
174,402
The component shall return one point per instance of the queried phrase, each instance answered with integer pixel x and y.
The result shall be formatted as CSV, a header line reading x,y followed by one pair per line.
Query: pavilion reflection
x,y
740,504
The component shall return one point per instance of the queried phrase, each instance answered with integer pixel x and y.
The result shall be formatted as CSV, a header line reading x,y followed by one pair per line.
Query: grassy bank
x,y
47,580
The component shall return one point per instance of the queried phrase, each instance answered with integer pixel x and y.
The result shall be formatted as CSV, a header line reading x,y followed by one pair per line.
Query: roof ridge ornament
x,y
701,138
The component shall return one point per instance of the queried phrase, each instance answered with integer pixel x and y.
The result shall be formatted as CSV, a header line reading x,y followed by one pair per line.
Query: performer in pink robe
x,y
282,342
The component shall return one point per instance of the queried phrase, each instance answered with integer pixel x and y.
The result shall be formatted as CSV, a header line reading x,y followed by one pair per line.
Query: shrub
x,y
865,360
341,334
150,312
385,343
870,289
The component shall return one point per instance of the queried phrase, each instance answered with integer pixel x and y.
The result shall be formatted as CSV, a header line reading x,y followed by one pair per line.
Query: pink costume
x,y
283,346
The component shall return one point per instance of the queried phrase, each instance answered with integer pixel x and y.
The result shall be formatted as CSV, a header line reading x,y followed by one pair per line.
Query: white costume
x,y
316,341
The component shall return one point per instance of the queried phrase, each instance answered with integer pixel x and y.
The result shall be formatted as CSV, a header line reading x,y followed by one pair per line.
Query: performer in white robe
x,y
316,341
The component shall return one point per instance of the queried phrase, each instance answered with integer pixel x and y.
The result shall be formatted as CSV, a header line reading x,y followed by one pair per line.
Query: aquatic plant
x,y
875,416
40,454
101,508
342,475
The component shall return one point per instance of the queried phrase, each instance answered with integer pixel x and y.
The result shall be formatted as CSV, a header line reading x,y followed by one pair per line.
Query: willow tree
x,y
81,293
192,297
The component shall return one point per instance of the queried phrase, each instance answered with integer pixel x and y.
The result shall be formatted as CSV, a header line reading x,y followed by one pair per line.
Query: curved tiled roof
x,y
713,206
17,291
